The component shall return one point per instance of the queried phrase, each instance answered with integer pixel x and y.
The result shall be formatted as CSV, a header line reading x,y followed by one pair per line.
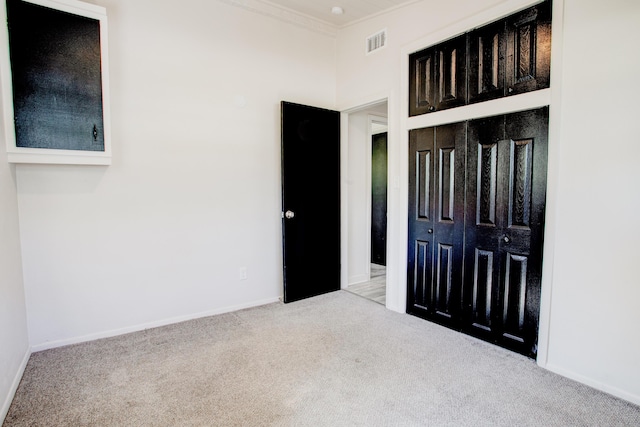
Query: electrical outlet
x,y
243,273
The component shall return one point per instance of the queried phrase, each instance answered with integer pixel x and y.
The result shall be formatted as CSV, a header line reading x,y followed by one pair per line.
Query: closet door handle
x,y
430,231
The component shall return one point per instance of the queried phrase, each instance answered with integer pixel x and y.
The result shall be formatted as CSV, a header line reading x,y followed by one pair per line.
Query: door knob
x,y
289,214
430,231
506,239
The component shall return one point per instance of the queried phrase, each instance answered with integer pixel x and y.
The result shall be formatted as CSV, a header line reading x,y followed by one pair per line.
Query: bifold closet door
x,y
477,195
505,202
436,223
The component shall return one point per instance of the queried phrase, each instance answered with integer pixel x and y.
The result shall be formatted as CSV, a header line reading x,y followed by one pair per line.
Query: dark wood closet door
x,y
506,193
485,201
451,73
436,222
487,52
422,82
438,77
506,57
421,222
529,49
475,262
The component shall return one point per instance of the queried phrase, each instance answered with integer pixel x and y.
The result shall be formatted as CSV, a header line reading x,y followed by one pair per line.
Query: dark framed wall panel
x,y
58,102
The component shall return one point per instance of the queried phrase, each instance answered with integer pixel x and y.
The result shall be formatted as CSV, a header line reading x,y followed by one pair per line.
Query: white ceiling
x,y
354,10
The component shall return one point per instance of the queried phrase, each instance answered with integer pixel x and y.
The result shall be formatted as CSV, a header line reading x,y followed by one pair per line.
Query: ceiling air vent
x,y
376,41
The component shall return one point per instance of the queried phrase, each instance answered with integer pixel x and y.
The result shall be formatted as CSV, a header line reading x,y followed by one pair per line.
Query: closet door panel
x,y
487,53
529,49
526,134
436,222
421,291
451,73
484,213
448,235
505,214
514,293
422,82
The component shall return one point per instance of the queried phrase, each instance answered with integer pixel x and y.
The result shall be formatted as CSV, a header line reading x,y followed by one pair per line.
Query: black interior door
x,y
436,222
506,193
379,199
310,200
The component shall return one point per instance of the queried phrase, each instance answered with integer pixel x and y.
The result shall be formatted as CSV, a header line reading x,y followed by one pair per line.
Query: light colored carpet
x,y
332,360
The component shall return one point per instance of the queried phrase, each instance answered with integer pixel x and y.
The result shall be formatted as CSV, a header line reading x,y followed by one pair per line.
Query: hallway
x,y
376,288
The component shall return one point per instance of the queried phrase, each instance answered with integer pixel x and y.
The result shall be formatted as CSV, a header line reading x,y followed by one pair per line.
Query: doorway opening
x,y
367,202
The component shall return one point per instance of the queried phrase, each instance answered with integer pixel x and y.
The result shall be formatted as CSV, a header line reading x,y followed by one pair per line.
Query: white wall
x,y
590,286
14,341
596,287
193,193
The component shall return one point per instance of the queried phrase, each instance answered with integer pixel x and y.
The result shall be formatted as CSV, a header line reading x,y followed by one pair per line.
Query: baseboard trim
x,y
614,391
360,278
141,327
4,410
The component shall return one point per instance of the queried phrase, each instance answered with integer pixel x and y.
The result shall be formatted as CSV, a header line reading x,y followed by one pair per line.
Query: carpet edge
x,y
149,325
4,410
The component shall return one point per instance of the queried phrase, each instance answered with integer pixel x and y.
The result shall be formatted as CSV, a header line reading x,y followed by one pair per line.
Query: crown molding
x,y
286,15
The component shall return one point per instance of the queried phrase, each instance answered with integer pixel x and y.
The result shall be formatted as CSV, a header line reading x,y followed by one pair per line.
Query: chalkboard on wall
x,y
56,60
